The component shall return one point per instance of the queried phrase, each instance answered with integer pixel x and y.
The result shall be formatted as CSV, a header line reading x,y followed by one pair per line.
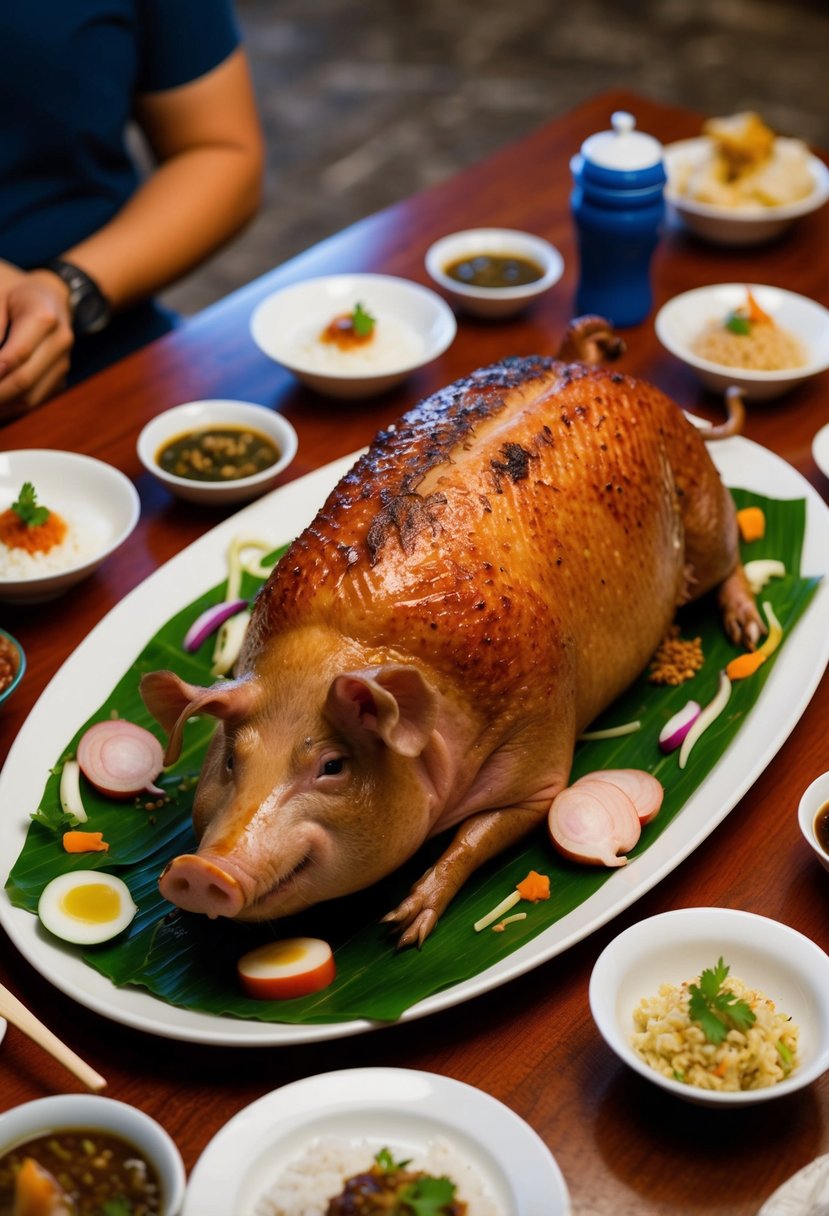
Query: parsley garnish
x,y
362,322
117,1207
27,509
426,1197
717,1011
738,323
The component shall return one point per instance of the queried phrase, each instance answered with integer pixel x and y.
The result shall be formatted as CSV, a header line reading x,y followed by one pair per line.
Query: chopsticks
x,y
15,1011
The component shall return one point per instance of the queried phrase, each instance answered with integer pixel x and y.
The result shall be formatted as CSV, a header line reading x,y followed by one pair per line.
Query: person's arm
x,y
207,140
207,185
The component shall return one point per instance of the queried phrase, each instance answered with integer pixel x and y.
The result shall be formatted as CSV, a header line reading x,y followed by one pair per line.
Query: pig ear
x,y
394,701
172,701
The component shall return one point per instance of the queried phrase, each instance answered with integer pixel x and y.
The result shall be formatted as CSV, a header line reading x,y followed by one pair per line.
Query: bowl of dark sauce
x,y
493,272
813,817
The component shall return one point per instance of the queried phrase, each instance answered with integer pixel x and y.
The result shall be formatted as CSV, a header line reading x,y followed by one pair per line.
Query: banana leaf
x,y
190,961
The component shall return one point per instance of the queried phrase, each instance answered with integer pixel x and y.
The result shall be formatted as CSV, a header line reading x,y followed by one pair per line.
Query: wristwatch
x,y
88,305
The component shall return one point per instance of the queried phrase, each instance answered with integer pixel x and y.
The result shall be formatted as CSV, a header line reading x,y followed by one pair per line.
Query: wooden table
x,y
624,1147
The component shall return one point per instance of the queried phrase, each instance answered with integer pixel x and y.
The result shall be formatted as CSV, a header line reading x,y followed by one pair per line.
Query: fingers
x,y
34,358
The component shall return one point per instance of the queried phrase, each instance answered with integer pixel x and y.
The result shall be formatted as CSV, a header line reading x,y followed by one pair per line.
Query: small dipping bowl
x,y
815,798
493,301
200,416
6,692
72,1112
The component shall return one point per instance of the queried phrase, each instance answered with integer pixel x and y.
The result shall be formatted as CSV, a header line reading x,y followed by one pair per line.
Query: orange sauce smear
x,y
40,539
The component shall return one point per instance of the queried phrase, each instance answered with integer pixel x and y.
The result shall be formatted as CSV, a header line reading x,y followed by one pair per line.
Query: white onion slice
x,y
71,802
712,710
120,759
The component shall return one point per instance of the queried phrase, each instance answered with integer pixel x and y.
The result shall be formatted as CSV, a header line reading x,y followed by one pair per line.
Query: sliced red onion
x,y
209,621
677,727
120,759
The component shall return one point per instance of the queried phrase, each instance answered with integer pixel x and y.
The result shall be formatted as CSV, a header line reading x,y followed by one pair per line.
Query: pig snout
x,y
197,884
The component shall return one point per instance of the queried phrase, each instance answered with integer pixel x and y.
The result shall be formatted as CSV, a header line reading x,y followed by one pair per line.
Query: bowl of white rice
x,y
96,502
684,324
406,327
291,1152
640,997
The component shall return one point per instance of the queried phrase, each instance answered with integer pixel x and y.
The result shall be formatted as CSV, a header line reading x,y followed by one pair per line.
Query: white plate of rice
x,y
97,502
682,322
289,1153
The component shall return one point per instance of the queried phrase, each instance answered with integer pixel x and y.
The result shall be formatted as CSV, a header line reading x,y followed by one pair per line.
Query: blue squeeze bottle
x,y
618,206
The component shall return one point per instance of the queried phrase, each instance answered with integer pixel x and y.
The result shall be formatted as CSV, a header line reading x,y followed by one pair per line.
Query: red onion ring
x,y
120,759
209,621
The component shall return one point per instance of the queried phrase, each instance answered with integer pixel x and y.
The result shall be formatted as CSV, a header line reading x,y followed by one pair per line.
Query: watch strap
x,y
89,308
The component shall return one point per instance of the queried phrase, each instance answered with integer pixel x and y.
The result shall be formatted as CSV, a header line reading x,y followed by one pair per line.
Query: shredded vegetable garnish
x,y
711,711
504,906
611,732
71,802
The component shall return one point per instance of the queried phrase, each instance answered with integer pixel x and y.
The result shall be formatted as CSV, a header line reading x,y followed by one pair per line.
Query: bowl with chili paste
x,y
494,272
61,515
12,664
88,1154
216,451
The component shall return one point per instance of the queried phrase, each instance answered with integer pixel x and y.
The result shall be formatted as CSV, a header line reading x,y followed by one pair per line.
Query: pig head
x,y
305,796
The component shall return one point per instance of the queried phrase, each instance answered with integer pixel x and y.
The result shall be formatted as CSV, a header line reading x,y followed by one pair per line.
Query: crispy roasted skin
x,y
537,521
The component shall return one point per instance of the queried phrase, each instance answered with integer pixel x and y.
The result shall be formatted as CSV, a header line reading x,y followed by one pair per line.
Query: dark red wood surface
x,y
624,1146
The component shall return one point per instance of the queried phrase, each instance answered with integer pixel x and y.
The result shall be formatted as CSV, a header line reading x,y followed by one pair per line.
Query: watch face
x,y
90,312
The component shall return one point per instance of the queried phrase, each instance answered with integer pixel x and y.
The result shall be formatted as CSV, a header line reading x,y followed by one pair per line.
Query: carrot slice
x,y
744,665
534,887
84,842
752,523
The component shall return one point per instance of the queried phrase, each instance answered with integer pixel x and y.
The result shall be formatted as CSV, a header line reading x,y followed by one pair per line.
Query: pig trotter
x,y
480,837
741,620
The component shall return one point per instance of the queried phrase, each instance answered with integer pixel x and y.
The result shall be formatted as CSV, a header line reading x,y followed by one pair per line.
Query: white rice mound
x,y
676,1047
307,1184
394,344
76,548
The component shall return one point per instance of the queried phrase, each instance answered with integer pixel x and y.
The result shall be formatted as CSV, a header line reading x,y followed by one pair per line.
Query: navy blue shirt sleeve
x,y
182,40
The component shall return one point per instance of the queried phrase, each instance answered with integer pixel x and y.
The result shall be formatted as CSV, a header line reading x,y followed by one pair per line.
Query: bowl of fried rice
x,y
762,339
718,1006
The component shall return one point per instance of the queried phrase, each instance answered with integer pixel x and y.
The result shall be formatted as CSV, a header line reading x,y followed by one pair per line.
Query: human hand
x,y
36,322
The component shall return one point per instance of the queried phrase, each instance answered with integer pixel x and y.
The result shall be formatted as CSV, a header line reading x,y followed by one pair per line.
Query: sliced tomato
x,y
283,970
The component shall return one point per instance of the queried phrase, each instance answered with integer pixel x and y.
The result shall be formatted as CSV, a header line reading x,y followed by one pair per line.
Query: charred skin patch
x,y
406,514
515,464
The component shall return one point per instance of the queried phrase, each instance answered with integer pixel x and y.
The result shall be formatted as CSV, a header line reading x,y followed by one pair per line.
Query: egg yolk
x,y
280,954
93,902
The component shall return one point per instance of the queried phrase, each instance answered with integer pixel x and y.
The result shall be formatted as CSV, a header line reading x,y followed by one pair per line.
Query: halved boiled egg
x,y
86,906
283,970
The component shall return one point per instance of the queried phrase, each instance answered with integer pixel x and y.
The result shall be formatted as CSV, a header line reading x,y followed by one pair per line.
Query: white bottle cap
x,y
623,148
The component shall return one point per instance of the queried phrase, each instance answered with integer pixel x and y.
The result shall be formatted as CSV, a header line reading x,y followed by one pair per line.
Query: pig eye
x,y
331,767
229,762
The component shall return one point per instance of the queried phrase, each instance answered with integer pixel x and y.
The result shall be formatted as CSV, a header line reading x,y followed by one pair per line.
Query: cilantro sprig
x,y
27,509
424,1196
362,322
717,1010
738,323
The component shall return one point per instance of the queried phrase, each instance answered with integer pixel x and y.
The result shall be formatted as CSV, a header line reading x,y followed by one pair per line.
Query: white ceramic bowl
x,y
199,415
34,1119
815,797
680,322
413,327
98,500
731,225
820,449
21,666
493,301
676,946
